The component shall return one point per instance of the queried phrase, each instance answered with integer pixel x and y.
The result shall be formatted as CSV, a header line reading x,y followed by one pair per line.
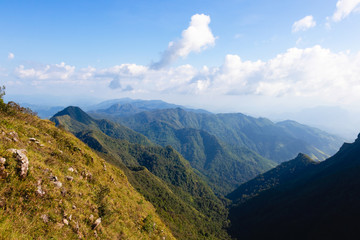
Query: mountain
x,y
321,202
128,106
75,120
224,166
229,149
332,119
52,186
44,112
278,175
183,200
275,141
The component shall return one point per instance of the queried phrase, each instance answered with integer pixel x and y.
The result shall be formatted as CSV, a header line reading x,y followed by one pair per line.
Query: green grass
x,y
93,190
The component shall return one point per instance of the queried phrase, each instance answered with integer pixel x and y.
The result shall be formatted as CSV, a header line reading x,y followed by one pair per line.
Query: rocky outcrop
x,y
22,159
3,173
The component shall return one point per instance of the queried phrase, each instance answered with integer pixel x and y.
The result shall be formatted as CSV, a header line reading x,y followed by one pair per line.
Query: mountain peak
x,y
75,113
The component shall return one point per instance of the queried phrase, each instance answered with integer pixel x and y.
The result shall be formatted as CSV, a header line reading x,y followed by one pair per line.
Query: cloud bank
x,y
304,24
310,72
344,8
196,38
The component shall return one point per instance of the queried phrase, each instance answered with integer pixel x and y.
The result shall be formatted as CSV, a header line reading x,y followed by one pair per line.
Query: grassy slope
x,y
125,214
181,197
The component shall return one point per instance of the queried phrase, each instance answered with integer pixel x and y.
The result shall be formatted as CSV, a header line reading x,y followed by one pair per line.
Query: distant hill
x,y
224,166
53,186
275,141
127,106
163,176
44,112
320,202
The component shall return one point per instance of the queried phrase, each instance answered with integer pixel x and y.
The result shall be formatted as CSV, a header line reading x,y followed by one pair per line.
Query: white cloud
x,y
344,8
53,72
11,56
195,38
304,24
311,72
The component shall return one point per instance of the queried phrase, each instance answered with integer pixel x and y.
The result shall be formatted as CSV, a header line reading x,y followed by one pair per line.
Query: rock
x,y
91,217
14,136
39,191
65,221
70,217
73,207
45,218
3,173
32,139
58,184
96,223
12,150
69,178
23,162
104,166
71,169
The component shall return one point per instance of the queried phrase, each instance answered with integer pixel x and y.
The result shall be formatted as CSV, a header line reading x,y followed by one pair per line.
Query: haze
x,y
279,59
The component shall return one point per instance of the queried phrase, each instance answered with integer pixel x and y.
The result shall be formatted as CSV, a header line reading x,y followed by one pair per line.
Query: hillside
x,y
182,198
321,202
52,186
284,172
275,141
224,166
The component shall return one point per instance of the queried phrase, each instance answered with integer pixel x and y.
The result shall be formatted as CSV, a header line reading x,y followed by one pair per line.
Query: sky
x,y
254,56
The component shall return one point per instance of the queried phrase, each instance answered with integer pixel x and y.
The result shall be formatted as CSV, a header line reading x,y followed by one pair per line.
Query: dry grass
x,y
93,191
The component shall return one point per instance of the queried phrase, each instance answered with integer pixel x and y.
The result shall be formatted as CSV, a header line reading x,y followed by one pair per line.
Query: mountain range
x,y
228,149
301,199
174,173
162,175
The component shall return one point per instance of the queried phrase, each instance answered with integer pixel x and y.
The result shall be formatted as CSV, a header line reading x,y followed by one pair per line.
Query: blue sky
x,y
236,55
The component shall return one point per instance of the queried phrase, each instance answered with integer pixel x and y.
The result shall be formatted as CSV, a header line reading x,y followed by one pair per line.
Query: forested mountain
x,y
321,202
182,198
224,166
52,186
127,106
275,141
284,172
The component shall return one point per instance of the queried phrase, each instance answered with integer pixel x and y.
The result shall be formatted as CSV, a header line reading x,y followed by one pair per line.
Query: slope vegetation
x,y
163,176
52,186
321,202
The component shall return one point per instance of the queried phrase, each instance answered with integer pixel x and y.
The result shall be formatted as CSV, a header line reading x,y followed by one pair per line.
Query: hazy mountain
x,y
163,176
320,202
52,186
128,106
332,119
275,141
44,112
224,166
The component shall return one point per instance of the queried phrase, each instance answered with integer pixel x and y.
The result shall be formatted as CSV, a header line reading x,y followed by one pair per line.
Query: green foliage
x,y
183,200
91,192
275,141
320,202
270,179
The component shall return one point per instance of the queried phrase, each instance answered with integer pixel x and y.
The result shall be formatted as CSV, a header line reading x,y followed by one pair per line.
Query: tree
x,y
2,92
